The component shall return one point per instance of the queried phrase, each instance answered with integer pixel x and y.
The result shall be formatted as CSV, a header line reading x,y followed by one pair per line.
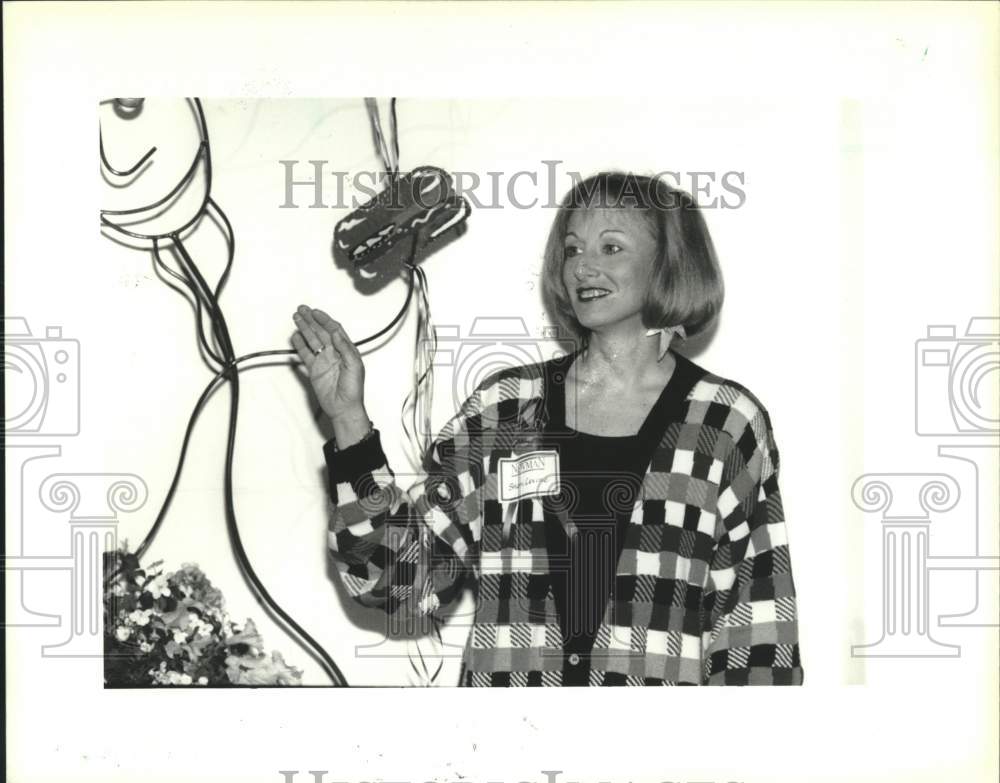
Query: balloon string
x,y
416,410
388,154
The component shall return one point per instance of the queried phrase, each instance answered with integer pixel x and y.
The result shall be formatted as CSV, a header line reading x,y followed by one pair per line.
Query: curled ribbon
x,y
666,337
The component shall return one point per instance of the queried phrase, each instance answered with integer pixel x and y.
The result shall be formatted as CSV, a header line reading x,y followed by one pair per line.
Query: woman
x,y
617,508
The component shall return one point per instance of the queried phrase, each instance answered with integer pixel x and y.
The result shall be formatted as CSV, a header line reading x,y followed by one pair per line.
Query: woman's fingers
x,y
315,337
318,330
307,315
308,334
345,347
338,336
304,351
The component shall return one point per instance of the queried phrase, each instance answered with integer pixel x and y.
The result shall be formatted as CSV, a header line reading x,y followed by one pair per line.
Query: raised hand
x,y
336,370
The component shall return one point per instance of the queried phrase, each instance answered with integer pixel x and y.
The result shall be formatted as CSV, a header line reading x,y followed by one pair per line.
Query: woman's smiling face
x,y
608,255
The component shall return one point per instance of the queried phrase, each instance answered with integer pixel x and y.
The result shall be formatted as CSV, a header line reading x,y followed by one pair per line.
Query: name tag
x,y
531,475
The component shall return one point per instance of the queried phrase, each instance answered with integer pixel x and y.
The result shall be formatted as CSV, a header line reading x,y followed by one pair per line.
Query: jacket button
x,y
574,659
443,493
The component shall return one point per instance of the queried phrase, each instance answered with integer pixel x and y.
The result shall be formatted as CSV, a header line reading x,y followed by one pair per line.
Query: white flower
x,y
123,633
203,680
158,587
185,679
180,637
140,616
140,580
145,646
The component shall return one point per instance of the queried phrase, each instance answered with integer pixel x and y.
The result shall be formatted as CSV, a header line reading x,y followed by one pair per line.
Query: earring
x,y
666,334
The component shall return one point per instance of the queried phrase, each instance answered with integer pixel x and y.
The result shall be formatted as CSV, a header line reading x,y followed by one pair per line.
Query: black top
x,y
600,477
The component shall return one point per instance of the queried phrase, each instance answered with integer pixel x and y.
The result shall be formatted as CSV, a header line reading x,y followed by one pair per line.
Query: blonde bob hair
x,y
685,286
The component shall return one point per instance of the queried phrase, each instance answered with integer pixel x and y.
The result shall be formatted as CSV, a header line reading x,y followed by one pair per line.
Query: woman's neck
x,y
625,360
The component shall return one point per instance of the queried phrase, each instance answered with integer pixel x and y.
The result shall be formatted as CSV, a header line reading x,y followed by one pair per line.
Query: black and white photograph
x,y
374,352
612,505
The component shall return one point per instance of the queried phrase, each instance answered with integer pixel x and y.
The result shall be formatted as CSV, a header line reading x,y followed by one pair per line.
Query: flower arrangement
x,y
172,629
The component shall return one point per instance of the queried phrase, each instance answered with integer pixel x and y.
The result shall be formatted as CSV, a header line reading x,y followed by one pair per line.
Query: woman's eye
x,y
617,249
570,251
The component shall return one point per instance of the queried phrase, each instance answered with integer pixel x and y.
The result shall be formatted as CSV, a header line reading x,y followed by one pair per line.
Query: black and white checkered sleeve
x,y
397,549
750,636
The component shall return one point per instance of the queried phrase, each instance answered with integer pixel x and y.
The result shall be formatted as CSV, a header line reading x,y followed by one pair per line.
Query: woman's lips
x,y
594,294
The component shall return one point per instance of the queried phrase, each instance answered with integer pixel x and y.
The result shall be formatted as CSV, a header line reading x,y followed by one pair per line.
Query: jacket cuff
x,y
353,462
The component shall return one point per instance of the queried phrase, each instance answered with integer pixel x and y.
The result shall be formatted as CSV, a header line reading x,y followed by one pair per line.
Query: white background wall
x,y
867,139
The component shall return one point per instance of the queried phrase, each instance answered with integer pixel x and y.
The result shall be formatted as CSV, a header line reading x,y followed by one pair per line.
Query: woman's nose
x,y
584,267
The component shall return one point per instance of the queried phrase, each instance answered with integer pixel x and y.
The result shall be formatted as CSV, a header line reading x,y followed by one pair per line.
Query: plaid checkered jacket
x,y
703,593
